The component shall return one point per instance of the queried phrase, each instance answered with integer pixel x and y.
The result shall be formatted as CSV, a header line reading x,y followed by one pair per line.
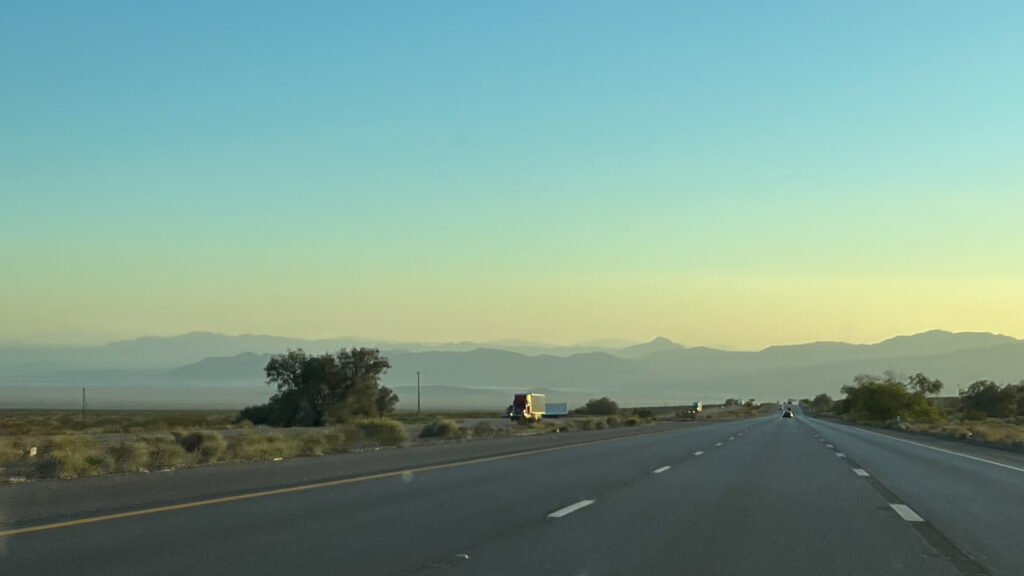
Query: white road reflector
x,y
861,472
840,455
698,452
662,469
906,513
570,509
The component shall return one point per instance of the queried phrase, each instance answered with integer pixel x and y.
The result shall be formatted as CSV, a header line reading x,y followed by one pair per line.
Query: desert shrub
x,y
76,456
129,456
253,446
206,446
645,413
386,431
166,453
956,431
334,438
631,421
559,426
920,410
441,428
613,421
484,430
11,450
975,415
311,444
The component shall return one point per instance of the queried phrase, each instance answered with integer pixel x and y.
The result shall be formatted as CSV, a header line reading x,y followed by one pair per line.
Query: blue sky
x,y
739,173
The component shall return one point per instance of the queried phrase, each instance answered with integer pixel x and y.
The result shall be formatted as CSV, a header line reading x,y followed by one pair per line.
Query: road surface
x,y
761,496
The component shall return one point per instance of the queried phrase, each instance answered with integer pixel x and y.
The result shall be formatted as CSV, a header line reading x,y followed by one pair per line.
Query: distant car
x,y
787,414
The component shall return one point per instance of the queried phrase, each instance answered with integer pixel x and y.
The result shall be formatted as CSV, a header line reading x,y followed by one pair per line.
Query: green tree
x,y
314,389
361,370
601,406
874,398
986,396
923,385
385,401
821,403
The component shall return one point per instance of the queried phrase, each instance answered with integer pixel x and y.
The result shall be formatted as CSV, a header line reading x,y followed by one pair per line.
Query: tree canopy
x,y
995,401
315,389
601,406
883,398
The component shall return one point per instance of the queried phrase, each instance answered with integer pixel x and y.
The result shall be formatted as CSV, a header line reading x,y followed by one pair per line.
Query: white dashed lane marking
x,y
570,509
718,444
906,513
698,452
840,454
861,472
662,469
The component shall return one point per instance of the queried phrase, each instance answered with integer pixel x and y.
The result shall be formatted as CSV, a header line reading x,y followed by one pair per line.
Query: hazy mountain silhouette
x,y
659,344
656,372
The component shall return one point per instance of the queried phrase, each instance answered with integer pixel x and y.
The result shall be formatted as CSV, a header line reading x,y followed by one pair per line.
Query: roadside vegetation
x,y
324,389
65,444
49,422
985,411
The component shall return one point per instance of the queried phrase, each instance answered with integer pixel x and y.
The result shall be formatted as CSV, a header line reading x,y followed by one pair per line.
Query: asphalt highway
x,y
761,496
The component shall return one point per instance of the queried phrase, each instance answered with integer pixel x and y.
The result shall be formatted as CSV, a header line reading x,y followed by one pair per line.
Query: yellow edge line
x,y
198,503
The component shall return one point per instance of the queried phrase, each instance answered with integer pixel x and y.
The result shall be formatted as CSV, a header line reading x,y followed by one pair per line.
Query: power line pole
x,y
83,408
417,392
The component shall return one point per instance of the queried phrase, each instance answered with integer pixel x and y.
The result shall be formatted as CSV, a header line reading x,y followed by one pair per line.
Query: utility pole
x,y
417,392
83,407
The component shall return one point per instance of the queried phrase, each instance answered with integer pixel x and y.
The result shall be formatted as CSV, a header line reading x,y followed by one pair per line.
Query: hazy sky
x,y
729,173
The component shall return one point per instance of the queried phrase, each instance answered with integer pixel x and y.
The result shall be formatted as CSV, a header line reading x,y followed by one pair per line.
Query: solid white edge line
x,y
944,451
662,469
906,513
570,509
698,452
861,472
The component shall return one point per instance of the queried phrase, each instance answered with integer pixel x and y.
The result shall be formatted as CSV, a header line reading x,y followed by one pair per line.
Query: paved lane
x,y
747,497
978,504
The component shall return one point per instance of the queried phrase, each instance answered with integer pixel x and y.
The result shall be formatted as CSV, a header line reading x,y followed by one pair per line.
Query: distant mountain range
x,y
470,375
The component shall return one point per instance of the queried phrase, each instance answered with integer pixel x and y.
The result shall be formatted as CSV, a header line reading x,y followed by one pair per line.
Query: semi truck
x,y
527,407
557,409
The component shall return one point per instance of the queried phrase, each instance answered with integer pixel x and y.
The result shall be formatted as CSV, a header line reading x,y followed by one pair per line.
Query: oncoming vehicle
x,y
787,414
527,407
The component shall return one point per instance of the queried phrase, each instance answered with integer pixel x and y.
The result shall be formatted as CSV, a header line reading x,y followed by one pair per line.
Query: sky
x,y
719,173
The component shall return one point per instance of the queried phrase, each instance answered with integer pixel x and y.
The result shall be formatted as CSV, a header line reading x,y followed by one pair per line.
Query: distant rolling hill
x,y
657,372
